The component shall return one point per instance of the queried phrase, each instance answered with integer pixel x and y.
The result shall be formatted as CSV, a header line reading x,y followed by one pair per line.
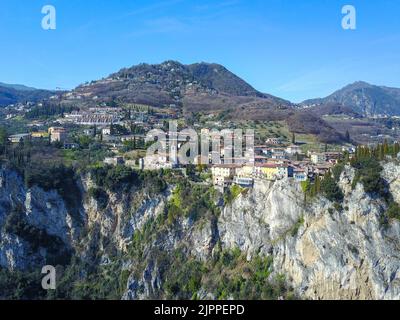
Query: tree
x,y
381,152
3,140
317,184
330,189
396,148
293,138
94,131
393,211
348,139
84,141
3,136
385,147
190,170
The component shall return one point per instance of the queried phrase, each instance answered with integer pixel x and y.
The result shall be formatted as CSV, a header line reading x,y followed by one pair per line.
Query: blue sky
x,y
290,48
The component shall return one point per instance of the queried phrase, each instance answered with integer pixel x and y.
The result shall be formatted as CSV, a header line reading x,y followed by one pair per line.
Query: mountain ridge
x,y
16,93
363,98
174,83
20,87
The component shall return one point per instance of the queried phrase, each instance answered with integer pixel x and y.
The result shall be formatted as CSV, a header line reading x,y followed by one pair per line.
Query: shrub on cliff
x,y
368,172
393,211
100,196
330,189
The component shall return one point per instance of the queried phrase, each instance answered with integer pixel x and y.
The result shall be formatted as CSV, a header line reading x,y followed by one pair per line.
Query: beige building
x,y
274,141
16,138
40,134
57,134
272,171
205,132
245,171
114,161
223,173
318,158
293,149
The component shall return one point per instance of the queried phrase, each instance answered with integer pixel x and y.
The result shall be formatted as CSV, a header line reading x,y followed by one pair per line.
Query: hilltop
x,y
199,88
12,94
194,87
363,98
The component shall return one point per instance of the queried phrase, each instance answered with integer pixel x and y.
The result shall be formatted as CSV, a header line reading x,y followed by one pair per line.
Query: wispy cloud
x,y
168,25
153,7
323,80
216,6
306,81
196,19
143,10
392,38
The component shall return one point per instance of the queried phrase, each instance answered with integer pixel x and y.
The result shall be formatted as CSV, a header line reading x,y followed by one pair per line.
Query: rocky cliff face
x,y
324,253
42,211
124,213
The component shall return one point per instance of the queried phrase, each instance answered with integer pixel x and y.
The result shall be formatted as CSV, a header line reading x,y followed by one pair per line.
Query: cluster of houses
x,y
95,116
53,134
271,161
274,168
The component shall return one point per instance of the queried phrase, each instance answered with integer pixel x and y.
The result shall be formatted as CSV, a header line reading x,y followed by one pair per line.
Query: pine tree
x,y
396,148
385,147
381,152
317,184
348,139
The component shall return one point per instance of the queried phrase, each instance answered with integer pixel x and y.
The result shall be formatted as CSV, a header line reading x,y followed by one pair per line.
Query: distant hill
x,y
197,87
364,98
12,93
207,88
334,109
20,87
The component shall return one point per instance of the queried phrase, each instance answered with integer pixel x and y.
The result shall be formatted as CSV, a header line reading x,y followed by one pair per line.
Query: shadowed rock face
x,y
40,212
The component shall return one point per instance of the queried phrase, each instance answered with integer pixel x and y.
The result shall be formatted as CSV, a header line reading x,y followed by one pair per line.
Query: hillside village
x,y
106,165
119,130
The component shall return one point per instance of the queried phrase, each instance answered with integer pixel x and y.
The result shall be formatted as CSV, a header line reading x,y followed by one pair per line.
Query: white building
x,y
274,141
106,131
300,175
293,149
114,161
244,182
223,173
318,158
